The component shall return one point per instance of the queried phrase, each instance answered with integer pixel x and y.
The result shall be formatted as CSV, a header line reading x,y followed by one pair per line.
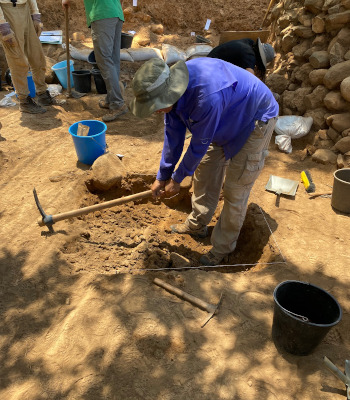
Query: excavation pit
x,y
136,236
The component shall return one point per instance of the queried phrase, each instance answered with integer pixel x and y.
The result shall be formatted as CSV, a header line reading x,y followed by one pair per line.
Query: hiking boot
x,y
184,229
103,104
115,113
45,99
211,259
29,106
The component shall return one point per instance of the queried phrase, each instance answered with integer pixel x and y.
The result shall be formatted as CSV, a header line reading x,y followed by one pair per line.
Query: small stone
x,y
79,36
324,156
340,161
179,261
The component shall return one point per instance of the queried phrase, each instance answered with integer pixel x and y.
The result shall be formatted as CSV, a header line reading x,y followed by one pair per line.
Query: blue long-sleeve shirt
x,y
220,105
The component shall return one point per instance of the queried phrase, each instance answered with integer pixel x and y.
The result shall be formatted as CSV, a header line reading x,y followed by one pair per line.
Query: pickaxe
x,y
345,378
49,220
210,308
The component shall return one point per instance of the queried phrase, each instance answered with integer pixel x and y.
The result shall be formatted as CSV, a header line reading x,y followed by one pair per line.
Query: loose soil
x,y
81,318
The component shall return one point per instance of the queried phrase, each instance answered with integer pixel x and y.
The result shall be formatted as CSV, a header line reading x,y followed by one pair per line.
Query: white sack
x,y
125,56
291,127
144,54
172,54
198,50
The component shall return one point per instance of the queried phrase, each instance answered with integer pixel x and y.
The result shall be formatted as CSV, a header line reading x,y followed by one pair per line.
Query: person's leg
x,y
207,185
106,36
16,58
36,58
241,174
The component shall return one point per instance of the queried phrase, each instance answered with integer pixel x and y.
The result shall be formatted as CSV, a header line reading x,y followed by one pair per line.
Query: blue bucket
x,y
60,70
89,148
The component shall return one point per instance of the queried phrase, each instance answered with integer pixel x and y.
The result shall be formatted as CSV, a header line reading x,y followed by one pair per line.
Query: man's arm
x,y
174,139
207,118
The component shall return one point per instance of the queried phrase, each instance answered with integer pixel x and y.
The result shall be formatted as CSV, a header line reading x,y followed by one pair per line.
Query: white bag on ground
x,y
125,56
291,127
81,54
198,50
144,54
172,54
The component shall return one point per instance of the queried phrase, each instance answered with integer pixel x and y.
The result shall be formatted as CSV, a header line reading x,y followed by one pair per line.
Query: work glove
x,y
7,35
38,25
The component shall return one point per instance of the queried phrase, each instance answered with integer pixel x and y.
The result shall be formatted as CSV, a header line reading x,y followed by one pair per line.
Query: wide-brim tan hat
x,y
157,86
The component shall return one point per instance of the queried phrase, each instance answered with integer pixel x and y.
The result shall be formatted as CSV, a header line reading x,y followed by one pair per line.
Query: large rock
x,y
336,74
295,100
319,117
328,4
302,73
345,88
304,32
107,172
343,145
289,40
338,8
315,6
315,99
333,134
335,102
300,49
337,21
277,83
319,59
339,122
336,54
316,76
324,156
318,25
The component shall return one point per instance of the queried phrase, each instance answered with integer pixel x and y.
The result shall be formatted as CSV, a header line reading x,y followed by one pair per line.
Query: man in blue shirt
x,y
231,115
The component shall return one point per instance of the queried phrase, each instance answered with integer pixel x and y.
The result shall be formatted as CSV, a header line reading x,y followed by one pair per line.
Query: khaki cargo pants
x,y
28,52
241,172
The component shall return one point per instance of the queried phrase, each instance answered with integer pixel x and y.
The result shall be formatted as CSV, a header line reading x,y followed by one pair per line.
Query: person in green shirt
x,y
105,17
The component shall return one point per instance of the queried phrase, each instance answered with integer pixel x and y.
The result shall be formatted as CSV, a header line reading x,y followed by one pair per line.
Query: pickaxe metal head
x,y
47,219
212,308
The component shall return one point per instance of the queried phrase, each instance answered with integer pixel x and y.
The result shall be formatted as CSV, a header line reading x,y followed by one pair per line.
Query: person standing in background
x,y
20,28
105,17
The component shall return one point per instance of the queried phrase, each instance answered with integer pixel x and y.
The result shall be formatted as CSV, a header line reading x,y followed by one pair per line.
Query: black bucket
x,y
126,40
99,82
82,80
303,315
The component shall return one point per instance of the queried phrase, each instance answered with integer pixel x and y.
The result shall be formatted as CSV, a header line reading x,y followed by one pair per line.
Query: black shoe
x,y
30,106
45,99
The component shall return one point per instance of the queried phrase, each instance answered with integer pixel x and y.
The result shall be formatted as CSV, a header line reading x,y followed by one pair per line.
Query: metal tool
x,y
70,93
210,308
281,186
345,378
49,220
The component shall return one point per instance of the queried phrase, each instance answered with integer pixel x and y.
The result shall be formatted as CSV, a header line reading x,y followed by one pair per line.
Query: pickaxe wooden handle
x,y
210,308
51,219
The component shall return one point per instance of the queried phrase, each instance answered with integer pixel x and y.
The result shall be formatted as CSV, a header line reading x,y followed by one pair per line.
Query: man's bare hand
x,y
65,3
158,188
171,188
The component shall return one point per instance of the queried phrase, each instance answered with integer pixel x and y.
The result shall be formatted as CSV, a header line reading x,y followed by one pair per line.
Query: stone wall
x,y
312,71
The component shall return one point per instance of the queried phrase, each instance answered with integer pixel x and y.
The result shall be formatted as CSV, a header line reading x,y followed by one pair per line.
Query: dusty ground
x,y
81,318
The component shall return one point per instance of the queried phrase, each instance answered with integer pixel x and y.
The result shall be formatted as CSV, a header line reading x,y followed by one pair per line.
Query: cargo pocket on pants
x,y
254,164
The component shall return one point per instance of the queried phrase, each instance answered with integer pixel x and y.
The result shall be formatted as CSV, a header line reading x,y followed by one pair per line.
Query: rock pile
x,y
312,71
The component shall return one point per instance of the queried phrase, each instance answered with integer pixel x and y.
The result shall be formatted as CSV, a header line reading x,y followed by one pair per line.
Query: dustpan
x,y
280,186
